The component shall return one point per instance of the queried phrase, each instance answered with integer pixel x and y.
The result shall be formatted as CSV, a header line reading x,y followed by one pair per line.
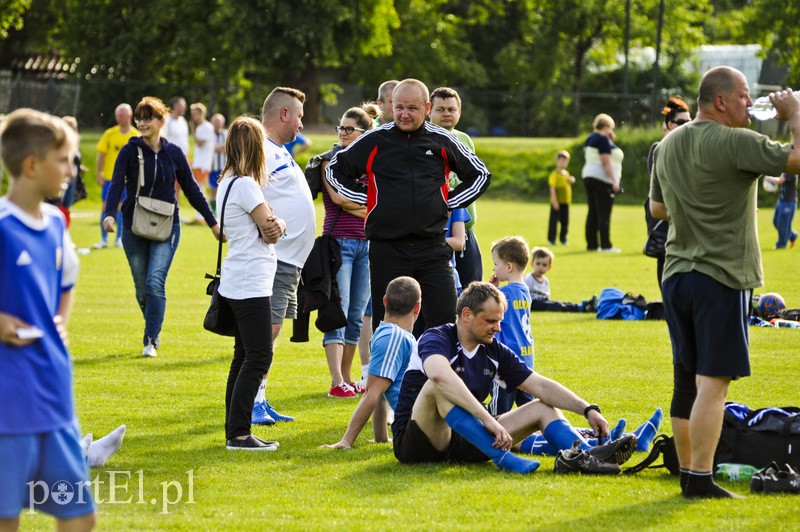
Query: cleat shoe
x,y
275,415
785,480
260,415
616,451
149,351
359,386
342,391
250,444
576,460
757,480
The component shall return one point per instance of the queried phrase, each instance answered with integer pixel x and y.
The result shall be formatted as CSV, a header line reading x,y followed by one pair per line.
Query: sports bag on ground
x,y
152,218
758,437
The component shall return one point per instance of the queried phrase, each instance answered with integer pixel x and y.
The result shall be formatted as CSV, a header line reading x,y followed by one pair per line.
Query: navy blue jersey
x,y
489,363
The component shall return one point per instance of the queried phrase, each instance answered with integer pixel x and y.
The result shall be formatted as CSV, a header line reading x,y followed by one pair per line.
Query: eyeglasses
x,y
348,129
680,121
143,120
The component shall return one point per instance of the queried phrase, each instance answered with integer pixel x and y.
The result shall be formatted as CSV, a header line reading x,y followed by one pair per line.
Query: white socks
x,y
260,396
99,451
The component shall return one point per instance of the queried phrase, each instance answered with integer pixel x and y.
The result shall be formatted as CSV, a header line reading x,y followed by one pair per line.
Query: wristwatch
x,y
590,407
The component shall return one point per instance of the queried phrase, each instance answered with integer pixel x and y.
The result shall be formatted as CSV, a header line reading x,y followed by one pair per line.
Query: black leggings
x,y
600,200
252,357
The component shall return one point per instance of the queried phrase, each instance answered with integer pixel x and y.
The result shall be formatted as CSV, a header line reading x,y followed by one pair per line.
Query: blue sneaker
x,y
273,414
260,415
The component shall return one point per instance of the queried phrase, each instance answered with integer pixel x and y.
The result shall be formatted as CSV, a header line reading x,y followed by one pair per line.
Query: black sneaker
x,y
576,460
757,481
786,480
615,452
591,304
250,444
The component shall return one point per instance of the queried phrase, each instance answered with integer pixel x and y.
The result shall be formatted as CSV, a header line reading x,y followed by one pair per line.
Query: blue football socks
x,y
474,432
561,435
646,433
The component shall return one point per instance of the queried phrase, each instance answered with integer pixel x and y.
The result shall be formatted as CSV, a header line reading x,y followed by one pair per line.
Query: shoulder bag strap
x,y
222,226
140,182
330,229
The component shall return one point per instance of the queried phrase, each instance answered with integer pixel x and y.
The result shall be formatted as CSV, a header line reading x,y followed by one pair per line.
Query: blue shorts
x,y
106,187
44,472
212,180
708,325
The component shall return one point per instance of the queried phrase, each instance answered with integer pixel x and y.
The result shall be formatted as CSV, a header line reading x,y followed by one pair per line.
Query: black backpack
x,y
313,171
663,446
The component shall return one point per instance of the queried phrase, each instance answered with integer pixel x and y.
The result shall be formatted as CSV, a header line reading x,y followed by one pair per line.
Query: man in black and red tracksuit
x,y
407,164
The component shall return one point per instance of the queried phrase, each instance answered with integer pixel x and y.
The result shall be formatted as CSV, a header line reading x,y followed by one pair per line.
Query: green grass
x,y
173,406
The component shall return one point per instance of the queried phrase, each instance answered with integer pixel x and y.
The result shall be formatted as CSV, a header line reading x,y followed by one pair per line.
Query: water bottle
x,y
762,108
789,324
735,472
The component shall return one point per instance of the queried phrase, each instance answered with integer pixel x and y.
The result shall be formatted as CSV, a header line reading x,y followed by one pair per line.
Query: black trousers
x,y
427,261
469,262
561,215
600,200
252,357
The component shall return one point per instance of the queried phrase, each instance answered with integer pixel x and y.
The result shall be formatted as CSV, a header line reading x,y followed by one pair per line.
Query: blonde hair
x,y
602,121
27,132
199,107
563,153
244,149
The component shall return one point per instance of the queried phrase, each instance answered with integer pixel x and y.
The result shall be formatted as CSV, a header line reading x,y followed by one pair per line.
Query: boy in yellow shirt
x,y
560,182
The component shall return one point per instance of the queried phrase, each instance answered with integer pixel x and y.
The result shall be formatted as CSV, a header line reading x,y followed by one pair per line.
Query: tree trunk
x,y
308,81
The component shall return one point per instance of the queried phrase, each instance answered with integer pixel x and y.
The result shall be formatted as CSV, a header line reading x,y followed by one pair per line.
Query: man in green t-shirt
x,y
446,112
704,180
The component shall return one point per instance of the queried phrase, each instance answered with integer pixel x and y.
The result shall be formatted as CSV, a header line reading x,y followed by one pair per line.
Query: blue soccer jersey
x,y
488,363
37,264
515,331
390,350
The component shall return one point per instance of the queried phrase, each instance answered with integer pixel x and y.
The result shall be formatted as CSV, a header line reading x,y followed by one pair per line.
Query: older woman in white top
x,y
247,274
601,176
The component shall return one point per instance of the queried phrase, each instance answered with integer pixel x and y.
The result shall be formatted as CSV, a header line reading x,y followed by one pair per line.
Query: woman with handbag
x,y
344,221
676,113
247,274
147,168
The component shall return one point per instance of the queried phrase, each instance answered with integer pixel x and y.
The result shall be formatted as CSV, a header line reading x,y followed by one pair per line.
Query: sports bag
x,y
759,437
152,218
663,446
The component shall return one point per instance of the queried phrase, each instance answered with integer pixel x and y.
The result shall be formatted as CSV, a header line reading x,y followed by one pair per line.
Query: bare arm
x,y
554,198
101,161
353,208
380,433
8,330
458,236
605,160
788,108
271,227
559,396
375,388
658,210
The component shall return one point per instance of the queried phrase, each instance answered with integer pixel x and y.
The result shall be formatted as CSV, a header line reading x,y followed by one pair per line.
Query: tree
x,y
11,13
774,24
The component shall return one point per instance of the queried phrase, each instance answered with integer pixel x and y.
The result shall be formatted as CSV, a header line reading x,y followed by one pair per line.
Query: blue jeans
x,y
782,220
353,281
150,261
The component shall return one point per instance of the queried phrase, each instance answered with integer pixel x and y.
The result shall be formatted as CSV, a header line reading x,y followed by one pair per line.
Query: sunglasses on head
x,y
348,129
680,121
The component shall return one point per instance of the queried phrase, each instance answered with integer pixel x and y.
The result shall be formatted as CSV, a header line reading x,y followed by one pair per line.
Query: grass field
x,y
174,407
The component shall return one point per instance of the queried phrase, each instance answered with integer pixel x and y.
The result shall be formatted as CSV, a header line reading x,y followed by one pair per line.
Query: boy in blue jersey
x,y
391,348
510,258
43,466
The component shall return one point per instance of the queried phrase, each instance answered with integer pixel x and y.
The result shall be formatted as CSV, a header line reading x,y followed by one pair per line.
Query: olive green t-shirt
x,y
707,174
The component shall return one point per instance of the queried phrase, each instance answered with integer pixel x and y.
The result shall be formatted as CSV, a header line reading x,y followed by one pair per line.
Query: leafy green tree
x,y
775,24
11,15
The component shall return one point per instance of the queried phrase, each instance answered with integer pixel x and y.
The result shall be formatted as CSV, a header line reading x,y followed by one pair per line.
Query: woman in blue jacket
x,y
164,164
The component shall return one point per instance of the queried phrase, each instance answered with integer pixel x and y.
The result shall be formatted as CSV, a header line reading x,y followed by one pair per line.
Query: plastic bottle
x,y
762,108
735,472
789,324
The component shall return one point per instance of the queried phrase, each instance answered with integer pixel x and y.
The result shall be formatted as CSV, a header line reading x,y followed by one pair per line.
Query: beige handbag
x,y
152,218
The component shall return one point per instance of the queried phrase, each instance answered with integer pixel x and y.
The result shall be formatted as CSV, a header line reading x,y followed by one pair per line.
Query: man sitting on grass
x,y
440,415
391,348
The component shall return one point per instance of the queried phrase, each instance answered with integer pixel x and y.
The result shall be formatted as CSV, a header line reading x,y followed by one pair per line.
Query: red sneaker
x,y
359,386
342,391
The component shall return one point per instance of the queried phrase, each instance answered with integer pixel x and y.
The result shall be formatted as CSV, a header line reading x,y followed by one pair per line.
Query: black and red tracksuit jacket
x,y
407,174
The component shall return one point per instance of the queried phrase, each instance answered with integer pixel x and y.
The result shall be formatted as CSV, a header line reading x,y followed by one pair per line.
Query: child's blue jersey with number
x,y
515,331
37,265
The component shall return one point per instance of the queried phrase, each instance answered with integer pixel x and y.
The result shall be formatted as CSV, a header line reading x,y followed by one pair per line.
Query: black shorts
x,y
412,446
708,325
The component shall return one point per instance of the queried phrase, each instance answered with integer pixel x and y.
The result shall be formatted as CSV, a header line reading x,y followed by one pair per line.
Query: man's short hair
x,y
512,249
445,93
175,101
27,132
475,296
402,295
542,253
718,80
386,88
279,98
199,107
421,87
123,106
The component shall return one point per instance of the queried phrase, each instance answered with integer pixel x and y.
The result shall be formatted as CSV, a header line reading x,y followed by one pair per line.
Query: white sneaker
x,y
149,351
118,244
100,245
609,250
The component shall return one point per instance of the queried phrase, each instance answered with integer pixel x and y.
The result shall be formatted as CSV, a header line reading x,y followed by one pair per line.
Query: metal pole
x,y
627,50
658,55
